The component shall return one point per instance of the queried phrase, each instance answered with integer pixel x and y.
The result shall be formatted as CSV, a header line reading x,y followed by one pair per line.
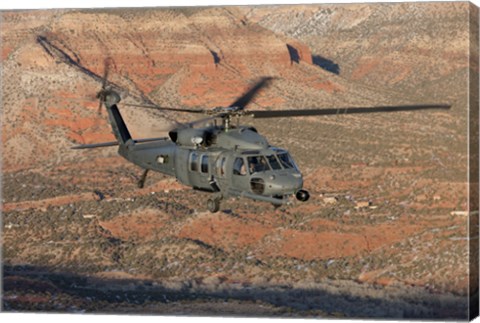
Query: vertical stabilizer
x,y
119,127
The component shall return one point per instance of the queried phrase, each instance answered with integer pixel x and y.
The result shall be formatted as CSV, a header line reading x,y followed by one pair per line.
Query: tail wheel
x,y
213,205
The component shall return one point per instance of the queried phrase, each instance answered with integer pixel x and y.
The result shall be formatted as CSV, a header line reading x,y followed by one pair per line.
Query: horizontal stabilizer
x,y
103,144
115,143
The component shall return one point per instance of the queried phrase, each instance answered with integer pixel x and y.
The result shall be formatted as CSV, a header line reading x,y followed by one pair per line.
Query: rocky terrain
x,y
385,233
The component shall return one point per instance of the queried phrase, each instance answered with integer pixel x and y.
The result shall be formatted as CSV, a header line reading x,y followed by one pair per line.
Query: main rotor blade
x,y
156,107
250,94
324,112
181,125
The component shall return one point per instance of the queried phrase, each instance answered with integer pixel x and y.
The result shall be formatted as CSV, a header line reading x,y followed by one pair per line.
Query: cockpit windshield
x,y
273,161
286,160
278,161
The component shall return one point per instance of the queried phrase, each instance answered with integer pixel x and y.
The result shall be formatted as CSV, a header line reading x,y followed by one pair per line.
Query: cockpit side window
x,y
273,161
239,167
257,164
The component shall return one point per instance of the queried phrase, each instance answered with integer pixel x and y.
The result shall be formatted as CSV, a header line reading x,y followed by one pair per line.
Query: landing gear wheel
x,y
213,205
276,205
279,204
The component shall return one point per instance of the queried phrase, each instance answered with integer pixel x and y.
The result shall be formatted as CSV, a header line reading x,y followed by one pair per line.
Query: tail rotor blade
x,y
103,92
106,70
100,102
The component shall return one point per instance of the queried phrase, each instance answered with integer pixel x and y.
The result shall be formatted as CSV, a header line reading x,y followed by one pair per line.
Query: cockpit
x,y
268,174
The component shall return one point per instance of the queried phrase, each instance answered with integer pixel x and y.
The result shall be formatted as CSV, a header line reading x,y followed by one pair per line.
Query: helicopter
x,y
224,159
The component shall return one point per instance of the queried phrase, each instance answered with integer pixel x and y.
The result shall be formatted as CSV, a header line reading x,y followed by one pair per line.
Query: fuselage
x,y
238,162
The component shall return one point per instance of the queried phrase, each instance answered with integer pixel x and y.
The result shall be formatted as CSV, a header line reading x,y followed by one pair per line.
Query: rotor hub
x,y
109,97
227,110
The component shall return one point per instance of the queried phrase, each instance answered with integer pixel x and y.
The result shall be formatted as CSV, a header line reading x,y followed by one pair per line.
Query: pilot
x,y
252,164
263,164
243,169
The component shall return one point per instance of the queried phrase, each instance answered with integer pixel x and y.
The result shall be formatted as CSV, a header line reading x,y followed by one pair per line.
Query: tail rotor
x,y
103,93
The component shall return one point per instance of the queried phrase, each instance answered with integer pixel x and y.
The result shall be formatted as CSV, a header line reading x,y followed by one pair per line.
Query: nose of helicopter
x,y
282,184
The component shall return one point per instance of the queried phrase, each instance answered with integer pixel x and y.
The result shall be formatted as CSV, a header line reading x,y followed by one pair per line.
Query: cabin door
x,y
239,175
199,169
220,174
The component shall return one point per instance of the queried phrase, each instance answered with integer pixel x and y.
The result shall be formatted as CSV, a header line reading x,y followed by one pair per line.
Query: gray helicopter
x,y
224,159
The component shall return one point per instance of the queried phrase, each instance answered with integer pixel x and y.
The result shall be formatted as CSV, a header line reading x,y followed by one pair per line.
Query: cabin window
x,y
257,164
204,165
224,166
162,159
194,162
218,167
221,166
239,167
